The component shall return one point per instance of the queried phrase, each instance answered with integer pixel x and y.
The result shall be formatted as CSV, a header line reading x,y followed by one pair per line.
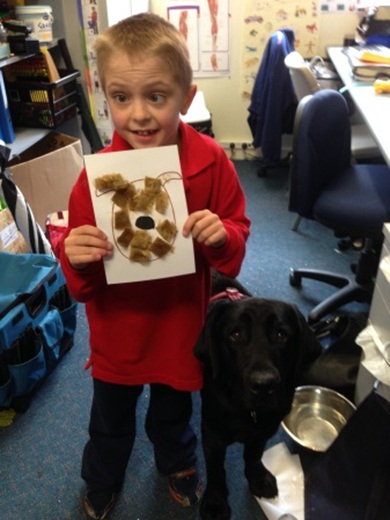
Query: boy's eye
x,y
157,98
120,98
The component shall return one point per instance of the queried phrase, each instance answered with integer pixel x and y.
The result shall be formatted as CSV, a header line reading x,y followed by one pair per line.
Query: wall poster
x,y
338,6
91,26
205,26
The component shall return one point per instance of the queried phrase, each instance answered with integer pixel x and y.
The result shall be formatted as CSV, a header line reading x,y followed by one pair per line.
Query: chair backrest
x,y
273,101
321,147
302,77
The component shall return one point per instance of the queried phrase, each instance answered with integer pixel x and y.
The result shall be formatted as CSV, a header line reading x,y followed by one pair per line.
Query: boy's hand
x,y
86,244
206,228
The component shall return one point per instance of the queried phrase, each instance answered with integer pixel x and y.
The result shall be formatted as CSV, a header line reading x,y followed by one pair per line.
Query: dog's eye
x,y
281,336
236,336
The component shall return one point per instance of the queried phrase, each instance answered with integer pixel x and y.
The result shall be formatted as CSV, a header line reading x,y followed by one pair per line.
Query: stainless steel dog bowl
x,y
317,416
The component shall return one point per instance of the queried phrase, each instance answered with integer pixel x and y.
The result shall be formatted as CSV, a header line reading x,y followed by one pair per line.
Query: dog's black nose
x,y
263,382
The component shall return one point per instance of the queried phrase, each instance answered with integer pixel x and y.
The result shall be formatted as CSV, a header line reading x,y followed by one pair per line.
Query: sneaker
x,y
97,504
185,487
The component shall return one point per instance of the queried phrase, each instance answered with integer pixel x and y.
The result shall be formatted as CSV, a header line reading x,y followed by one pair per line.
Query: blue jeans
x,y
112,431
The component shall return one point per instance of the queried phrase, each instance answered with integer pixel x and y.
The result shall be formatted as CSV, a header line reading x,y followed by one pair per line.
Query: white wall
x,y
229,111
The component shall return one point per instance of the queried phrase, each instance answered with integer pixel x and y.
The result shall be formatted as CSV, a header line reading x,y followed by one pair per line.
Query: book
x,y
375,54
364,70
50,66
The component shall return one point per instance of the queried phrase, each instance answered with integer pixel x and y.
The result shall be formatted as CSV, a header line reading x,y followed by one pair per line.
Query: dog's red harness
x,y
230,292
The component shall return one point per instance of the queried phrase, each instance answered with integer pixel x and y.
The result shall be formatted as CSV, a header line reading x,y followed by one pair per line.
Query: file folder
x,y
6,127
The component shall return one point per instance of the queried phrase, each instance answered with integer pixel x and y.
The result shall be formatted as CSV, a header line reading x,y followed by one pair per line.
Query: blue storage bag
x,y
37,320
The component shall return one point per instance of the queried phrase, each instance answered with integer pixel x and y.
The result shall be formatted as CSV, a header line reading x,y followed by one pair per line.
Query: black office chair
x,y
363,145
351,199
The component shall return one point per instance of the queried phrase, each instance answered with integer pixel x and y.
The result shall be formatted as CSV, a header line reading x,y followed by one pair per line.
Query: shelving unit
x,y
27,136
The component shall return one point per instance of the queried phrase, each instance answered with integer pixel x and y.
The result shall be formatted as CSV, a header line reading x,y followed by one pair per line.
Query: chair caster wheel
x,y
295,279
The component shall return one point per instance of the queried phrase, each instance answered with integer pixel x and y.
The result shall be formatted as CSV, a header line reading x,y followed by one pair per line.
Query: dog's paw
x,y
214,508
264,487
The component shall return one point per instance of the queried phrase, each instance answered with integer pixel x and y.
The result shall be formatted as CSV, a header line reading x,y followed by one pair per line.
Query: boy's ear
x,y
188,99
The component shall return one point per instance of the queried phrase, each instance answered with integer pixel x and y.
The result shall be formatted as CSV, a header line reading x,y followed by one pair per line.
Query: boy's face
x,y
144,100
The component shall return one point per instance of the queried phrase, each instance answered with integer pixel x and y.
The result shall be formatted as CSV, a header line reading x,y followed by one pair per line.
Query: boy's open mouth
x,y
145,132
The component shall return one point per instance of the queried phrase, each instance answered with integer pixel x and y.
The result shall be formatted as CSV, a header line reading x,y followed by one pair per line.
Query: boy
x,y
144,332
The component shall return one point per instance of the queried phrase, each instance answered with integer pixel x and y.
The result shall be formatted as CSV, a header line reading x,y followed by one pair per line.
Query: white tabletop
x,y
375,108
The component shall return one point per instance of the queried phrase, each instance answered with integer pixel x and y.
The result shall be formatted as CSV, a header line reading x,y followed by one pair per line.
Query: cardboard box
x,y
365,383
11,239
46,172
379,316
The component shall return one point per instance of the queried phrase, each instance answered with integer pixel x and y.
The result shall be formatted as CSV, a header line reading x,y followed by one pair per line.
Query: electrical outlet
x,y
235,145
240,150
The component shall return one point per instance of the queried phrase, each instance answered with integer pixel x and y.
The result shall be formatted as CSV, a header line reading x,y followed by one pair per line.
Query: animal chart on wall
x,y
139,202
205,27
89,20
264,17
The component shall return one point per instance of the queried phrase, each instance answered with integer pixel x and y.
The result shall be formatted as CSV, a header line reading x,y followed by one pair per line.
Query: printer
x,y
374,28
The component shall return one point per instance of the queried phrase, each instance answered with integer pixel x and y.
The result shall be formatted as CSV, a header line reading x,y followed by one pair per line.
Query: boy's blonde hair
x,y
146,34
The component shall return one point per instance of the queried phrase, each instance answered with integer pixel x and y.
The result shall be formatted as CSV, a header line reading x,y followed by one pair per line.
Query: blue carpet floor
x,y
40,453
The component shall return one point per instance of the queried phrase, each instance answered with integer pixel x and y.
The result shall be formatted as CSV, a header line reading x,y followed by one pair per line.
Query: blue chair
x,y
326,186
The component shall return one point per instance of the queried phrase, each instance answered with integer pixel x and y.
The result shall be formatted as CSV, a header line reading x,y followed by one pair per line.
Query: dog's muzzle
x,y
263,390
263,384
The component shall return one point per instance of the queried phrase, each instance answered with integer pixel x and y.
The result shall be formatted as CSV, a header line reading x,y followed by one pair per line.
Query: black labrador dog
x,y
254,351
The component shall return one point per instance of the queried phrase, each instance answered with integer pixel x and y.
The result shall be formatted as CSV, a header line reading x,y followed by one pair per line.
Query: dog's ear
x,y
207,347
310,347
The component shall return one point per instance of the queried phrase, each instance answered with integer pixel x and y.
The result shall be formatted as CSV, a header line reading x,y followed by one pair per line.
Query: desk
x,y
374,108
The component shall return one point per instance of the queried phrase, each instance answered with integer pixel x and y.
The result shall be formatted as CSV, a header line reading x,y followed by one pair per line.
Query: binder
x,y
6,127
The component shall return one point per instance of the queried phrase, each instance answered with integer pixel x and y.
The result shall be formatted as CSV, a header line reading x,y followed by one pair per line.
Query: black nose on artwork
x,y
263,382
145,222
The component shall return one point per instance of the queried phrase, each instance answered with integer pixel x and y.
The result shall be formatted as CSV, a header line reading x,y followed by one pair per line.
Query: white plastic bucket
x,y
40,18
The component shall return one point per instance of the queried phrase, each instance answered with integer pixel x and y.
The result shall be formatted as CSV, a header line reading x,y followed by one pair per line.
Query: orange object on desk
x,y
381,86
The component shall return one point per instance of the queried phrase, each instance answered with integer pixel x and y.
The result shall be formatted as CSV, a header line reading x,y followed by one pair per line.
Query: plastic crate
x,y
43,105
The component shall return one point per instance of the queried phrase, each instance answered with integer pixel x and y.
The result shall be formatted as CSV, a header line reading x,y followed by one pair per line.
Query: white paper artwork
x,y
139,202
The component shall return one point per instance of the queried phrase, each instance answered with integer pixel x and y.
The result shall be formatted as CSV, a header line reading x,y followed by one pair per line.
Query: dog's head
x,y
255,350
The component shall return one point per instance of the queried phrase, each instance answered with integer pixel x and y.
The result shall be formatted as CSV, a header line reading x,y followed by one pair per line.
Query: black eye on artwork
x,y
145,222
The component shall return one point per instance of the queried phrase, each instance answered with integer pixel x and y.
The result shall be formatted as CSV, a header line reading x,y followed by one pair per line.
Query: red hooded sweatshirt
x,y
145,332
